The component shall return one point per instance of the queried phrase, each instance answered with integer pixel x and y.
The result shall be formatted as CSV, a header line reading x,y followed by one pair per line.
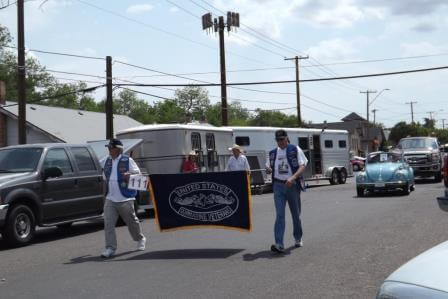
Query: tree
x,y
264,118
429,123
238,116
193,100
169,112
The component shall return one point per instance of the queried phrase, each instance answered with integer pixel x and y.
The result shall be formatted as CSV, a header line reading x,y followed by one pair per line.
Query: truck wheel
x,y
360,192
438,177
334,180
20,226
342,176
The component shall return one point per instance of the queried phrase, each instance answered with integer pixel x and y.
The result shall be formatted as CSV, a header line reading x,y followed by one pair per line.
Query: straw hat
x,y
236,147
192,153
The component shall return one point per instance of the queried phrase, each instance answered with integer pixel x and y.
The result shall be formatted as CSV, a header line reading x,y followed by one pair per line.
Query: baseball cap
x,y
115,143
280,134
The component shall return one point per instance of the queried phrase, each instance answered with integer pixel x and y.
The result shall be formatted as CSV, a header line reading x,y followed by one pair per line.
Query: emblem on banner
x,y
204,201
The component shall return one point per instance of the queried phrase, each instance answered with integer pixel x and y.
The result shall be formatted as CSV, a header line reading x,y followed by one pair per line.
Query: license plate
x,y
379,185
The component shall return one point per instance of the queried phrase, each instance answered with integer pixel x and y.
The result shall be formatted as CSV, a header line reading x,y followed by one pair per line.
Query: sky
x,y
340,37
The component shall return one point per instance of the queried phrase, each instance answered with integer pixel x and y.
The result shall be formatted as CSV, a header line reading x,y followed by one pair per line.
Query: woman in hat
x,y
190,165
238,161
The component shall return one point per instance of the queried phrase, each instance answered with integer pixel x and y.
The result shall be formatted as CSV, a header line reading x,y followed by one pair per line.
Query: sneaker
x,y
299,243
141,245
277,248
109,252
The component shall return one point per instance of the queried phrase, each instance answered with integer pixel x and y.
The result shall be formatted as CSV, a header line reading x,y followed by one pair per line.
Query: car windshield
x,y
417,143
383,158
19,159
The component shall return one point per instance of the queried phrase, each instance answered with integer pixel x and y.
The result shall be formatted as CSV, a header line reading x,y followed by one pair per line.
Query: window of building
x,y
196,141
342,144
83,159
242,140
328,143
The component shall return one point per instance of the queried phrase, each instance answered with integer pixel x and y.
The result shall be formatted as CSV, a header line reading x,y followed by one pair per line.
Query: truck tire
x,y
20,226
342,176
334,179
438,177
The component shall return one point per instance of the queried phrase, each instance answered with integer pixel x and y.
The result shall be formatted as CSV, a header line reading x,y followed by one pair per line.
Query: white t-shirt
x,y
240,163
114,193
282,170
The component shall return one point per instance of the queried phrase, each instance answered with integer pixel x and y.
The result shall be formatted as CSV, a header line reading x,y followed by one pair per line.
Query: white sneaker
x,y
109,252
299,243
141,245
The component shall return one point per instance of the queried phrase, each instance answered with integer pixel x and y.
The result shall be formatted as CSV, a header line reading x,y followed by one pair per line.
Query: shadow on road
x,y
267,254
96,258
180,254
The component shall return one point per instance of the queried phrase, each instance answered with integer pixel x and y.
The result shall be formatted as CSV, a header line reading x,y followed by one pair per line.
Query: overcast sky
x,y
167,36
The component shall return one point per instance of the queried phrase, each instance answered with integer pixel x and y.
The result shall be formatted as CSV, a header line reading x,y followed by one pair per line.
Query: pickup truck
x,y
423,155
47,185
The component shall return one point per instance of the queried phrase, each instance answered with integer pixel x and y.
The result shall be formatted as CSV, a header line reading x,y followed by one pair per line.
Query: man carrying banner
x,y
119,199
237,161
286,163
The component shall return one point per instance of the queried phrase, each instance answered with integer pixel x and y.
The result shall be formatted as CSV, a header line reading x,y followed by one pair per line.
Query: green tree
x,y
169,112
238,116
429,123
268,118
193,100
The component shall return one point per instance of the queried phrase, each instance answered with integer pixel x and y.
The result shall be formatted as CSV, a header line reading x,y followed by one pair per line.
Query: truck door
x,y
304,144
58,192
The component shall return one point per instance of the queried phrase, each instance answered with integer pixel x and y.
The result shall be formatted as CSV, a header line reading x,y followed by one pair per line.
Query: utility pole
x,y
374,116
296,58
412,109
218,25
368,92
430,114
109,103
21,71
443,123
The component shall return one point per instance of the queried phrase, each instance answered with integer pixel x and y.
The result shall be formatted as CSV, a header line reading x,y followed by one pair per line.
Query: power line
x,y
58,53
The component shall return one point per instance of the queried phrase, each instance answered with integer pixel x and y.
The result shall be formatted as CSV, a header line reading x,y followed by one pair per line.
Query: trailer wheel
x,y
342,176
334,180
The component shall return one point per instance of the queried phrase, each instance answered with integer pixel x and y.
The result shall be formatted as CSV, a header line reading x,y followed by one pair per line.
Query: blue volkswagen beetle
x,y
385,172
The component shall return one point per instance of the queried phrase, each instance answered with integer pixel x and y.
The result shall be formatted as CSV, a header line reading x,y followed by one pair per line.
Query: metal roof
x,y
69,125
158,127
296,130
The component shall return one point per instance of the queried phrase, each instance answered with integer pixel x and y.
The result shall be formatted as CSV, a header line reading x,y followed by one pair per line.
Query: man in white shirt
x,y
287,163
119,199
237,161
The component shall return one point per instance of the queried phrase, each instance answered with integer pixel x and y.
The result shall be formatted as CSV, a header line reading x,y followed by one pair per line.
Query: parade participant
x,y
119,199
287,163
237,161
190,165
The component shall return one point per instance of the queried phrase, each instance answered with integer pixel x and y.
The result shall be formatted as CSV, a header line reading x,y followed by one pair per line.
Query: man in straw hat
x,y
190,165
237,161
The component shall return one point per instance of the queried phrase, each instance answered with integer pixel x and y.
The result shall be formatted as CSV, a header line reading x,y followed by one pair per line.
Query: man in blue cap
x,y
119,199
287,163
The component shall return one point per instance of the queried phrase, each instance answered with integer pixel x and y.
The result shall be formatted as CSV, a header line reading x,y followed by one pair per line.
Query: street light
x,y
378,95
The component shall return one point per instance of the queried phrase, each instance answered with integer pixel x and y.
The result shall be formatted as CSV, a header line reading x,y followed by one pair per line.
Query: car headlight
x,y
401,176
361,177
396,290
435,157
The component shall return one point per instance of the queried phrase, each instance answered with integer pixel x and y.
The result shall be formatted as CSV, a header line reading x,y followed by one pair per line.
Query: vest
x,y
122,167
291,156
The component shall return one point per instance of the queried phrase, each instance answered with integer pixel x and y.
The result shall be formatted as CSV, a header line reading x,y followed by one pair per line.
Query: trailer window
x,y
242,140
196,141
210,141
342,144
328,143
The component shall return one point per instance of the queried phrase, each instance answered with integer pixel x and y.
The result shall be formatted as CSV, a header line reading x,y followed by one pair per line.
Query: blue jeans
x,y
283,194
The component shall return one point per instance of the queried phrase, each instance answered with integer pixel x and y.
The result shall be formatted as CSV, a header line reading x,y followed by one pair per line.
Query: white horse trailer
x,y
327,151
166,146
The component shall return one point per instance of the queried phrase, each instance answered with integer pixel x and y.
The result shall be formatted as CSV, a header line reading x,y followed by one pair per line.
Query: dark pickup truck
x,y
47,185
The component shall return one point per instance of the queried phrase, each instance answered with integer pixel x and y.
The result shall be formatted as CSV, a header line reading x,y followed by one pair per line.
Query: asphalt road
x,y
351,245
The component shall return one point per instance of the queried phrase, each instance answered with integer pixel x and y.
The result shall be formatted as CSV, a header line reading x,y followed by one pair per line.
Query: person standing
x,y
119,199
287,163
190,165
237,161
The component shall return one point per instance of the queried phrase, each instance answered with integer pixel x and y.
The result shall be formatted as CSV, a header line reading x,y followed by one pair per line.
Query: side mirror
x,y
51,172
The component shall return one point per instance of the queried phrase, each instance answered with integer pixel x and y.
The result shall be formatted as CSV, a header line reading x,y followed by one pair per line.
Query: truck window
x,y
328,143
242,140
342,144
57,157
83,159
19,159
196,141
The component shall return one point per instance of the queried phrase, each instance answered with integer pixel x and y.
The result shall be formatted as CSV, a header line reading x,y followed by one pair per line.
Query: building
x,y
362,134
54,124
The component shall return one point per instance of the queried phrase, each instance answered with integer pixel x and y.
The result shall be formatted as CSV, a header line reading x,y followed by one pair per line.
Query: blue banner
x,y
198,200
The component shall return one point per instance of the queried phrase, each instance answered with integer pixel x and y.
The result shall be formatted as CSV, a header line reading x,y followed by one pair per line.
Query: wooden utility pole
x,y
412,109
297,58
368,92
21,71
109,103
443,123
374,116
222,59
